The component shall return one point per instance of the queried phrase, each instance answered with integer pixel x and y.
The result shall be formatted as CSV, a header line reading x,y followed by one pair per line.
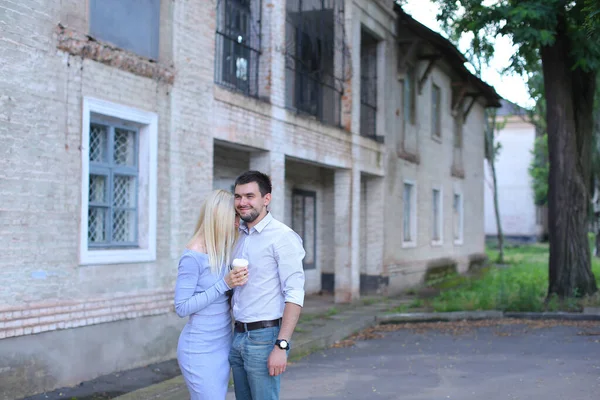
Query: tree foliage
x,y
557,47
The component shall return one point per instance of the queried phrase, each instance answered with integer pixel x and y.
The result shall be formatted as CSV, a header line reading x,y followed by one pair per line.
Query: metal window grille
x,y
408,188
436,214
316,58
304,223
113,186
368,86
238,45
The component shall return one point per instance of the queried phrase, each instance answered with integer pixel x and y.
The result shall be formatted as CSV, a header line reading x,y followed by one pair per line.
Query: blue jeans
x,y
248,358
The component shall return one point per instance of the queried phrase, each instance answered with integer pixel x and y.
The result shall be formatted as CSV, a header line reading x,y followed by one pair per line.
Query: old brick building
x,y
117,117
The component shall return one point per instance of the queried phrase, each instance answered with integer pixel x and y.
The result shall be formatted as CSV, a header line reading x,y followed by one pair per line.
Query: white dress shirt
x,y
276,275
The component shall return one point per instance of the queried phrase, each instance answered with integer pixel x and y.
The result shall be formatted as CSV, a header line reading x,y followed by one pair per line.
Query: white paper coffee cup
x,y
239,262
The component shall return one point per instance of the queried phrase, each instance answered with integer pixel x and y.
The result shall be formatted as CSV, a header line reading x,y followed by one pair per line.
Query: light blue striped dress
x,y
204,343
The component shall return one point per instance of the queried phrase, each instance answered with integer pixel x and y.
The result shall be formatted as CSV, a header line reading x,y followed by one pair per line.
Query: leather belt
x,y
251,326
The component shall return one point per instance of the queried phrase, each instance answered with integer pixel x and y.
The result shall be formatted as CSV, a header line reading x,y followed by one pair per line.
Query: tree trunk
x,y
500,259
491,152
569,116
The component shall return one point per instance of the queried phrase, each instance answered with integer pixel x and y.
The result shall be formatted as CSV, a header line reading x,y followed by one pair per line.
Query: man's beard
x,y
250,217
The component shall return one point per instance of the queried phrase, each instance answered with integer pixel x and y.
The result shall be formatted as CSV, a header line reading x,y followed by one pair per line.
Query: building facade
x,y
520,218
118,117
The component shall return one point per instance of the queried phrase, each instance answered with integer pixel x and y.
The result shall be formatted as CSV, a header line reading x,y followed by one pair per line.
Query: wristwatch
x,y
282,344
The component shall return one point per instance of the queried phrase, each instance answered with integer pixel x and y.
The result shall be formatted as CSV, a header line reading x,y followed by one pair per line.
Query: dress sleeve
x,y
187,300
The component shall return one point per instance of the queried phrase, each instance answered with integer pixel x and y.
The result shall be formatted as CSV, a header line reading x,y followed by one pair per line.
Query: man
x,y
267,307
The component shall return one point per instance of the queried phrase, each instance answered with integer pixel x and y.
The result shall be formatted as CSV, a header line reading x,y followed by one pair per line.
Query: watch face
x,y
283,344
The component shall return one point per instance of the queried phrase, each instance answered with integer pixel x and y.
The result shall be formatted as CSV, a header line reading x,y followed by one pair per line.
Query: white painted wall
x,y
515,194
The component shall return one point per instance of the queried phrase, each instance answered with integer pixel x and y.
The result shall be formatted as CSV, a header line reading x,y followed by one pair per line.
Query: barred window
x,y
238,45
316,58
368,85
112,207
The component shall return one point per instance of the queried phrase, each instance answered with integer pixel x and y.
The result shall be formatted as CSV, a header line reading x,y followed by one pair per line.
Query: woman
x,y
202,282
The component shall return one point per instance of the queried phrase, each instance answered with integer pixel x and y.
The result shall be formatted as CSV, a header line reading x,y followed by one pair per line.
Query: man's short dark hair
x,y
263,181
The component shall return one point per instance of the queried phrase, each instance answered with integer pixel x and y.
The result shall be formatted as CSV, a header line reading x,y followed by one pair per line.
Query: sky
x,y
510,86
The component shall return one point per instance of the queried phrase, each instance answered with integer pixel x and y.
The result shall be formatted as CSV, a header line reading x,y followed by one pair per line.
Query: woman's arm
x,y
187,301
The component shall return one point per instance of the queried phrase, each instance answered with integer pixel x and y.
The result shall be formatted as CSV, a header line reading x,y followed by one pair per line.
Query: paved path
x,y
488,362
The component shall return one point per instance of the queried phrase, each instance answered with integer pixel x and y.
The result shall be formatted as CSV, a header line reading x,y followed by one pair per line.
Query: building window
x,y
368,85
304,223
458,130
315,58
118,216
408,96
458,210
129,24
113,184
409,213
436,100
458,116
436,235
238,45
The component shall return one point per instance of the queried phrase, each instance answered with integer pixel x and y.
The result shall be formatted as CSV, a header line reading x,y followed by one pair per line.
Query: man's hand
x,y
277,361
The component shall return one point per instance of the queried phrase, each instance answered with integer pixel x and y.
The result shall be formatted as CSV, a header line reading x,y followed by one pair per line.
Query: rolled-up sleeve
x,y
289,254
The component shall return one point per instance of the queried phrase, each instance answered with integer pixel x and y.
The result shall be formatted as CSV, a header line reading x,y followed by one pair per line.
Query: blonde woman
x,y
200,293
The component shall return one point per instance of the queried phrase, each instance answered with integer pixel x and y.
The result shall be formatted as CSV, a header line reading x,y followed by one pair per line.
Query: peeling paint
x,y
85,46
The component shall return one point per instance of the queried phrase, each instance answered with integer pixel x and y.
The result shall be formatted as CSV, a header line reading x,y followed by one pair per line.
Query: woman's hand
x,y
237,277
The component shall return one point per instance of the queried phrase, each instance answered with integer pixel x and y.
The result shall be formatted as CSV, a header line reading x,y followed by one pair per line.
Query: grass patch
x,y
521,285
332,311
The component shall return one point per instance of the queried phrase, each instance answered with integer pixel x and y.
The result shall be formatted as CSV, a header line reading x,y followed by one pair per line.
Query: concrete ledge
x,y
440,316
591,310
553,315
479,315
172,389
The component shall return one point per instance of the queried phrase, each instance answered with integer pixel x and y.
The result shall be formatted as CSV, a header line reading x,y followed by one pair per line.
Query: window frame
x,y
409,96
248,48
369,81
304,194
440,219
413,221
436,112
109,170
314,78
146,157
461,216
152,52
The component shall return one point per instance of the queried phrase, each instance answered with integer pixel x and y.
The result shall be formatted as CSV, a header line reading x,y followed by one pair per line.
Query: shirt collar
x,y
258,227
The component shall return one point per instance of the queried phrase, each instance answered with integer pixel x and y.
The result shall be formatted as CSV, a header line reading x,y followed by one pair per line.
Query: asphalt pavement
x,y
494,359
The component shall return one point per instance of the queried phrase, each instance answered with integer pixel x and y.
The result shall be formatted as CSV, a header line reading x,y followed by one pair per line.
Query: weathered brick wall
x,y
44,82
49,71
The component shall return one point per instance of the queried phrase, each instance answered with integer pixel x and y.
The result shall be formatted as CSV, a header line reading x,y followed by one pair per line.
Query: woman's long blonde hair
x,y
216,225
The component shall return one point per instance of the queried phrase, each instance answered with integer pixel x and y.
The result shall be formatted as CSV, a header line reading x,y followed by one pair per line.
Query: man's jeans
x,y
248,358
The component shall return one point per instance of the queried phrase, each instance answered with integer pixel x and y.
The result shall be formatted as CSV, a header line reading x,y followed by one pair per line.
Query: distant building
x,y
520,218
117,117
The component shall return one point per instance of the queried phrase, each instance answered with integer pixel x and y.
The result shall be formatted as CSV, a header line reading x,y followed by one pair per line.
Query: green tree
x,y
553,35
492,149
538,170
